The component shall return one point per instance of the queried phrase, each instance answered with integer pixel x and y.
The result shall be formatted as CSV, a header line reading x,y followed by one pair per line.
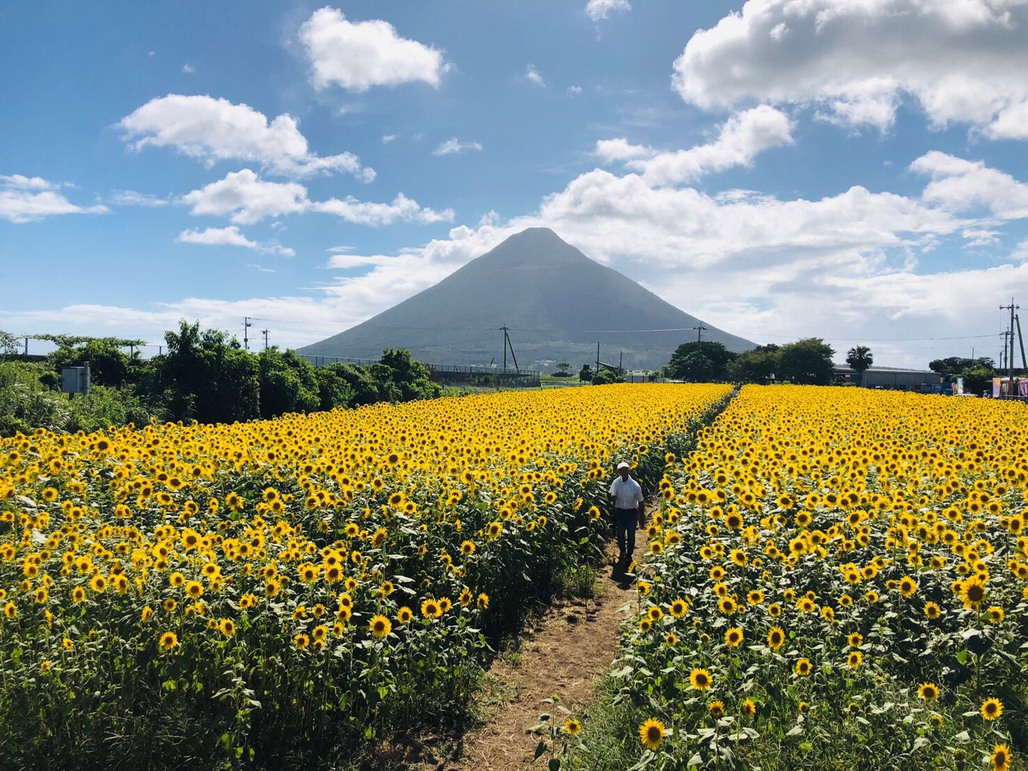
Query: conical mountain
x,y
556,303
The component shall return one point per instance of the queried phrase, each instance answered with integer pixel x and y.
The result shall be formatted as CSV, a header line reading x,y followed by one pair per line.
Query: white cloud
x,y
600,9
246,199
359,55
21,182
960,185
740,140
387,138
134,198
574,90
188,69
401,209
30,199
855,59
532,76
213,130
453,146
230,236
620,150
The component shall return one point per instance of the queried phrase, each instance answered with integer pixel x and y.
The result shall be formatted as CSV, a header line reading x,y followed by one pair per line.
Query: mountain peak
x,y
556,302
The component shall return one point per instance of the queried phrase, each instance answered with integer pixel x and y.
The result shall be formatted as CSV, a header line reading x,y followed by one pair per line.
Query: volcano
x,y
555,303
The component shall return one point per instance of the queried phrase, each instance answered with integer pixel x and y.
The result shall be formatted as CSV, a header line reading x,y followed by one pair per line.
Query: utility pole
x,y
1010,344
597,357
699,331
265,333
1020,339
246,330
507,344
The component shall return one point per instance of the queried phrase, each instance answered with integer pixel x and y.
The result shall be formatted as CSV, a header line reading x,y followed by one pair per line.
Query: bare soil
x,y
564,652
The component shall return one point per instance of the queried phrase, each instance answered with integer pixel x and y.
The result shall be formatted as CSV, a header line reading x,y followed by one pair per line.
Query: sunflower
x,y
301,641
995,614
572,727
167,641
991,709
98,583
907,586
928,691
700,679
380,626
404,615
749,708
430,609
855,640
678,608
855,659
776,638
652,733
716,708
734,637
227,627
932,610
1000,757
804,667
972,592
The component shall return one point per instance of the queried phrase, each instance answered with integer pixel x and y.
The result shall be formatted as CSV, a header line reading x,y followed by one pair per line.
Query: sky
x,y
854,170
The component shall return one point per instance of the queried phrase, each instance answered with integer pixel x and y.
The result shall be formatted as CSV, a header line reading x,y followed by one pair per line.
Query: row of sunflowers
x,y
837,578
259,593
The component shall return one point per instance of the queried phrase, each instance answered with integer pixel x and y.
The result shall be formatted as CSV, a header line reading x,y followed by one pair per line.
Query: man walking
x,y
628,512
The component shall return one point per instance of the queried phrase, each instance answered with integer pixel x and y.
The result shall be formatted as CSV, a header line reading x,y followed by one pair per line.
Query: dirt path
x,y
564,653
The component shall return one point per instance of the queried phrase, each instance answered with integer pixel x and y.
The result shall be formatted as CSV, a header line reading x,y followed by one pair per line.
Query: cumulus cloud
x,y
230,236
245,199
359,55
961,185
401,209
453,146
212,130
601,9
30,199
532,76
741,139
962,61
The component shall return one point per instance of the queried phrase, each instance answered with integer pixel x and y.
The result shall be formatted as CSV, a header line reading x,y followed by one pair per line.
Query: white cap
x,y
622,465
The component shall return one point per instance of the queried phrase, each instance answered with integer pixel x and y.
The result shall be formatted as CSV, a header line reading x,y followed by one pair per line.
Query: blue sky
x,y
854,171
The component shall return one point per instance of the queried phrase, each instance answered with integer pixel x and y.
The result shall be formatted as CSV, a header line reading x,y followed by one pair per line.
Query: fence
x,y
450,374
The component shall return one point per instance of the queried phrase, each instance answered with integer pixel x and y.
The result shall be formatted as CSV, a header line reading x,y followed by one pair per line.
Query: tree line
x,y
205,376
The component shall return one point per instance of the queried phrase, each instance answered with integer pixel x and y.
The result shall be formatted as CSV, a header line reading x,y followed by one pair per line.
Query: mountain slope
x,y
556,302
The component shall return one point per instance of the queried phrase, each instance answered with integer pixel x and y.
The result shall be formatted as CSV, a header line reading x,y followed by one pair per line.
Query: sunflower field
x,y
261,593
837,578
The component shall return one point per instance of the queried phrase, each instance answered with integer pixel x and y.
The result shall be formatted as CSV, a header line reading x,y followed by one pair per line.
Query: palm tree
x,y
860,359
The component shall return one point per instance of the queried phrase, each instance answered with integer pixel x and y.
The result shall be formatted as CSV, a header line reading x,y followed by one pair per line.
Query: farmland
x,y
267,592
838,578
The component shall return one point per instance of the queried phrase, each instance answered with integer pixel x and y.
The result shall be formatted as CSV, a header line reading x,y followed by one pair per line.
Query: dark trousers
x,y
625,522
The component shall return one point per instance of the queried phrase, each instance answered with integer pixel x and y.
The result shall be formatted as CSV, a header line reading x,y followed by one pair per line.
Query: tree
x,y
109,365
807,361
563,370
210,377
860,360
604,377
287,383
585,375
401,378
700,362
757,365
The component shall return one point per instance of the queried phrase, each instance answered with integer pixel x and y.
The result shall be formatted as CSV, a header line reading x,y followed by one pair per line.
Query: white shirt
x,y
627,493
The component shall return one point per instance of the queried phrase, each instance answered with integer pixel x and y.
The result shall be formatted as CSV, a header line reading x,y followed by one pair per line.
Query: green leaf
x,y
540,750
554,764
